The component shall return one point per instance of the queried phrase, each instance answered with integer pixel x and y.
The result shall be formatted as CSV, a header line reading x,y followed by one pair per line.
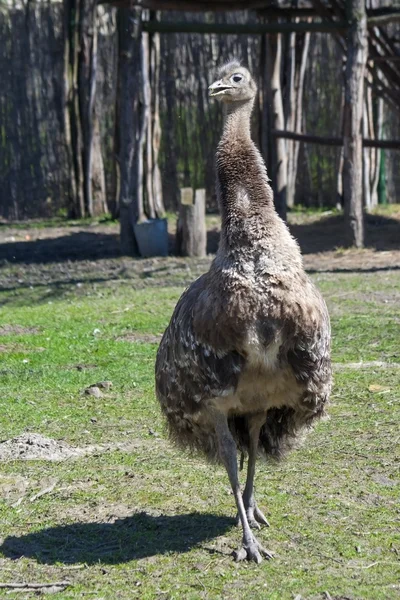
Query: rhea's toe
x,y
266,553
252,550
253,523
255,517
239,554
260,517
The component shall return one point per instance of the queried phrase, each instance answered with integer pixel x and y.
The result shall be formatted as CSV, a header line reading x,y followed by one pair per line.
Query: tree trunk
x,y
338,200
378,133
66,104
128,121
170,179
296,122
150,71
339,186
279,172
290,115
159,209
353,109
116,172
86,91
191,233
366,160
147,124
265,114
73,121
99,197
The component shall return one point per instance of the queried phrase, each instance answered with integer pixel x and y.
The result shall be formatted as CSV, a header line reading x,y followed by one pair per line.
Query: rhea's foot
x,y
255,517
252,550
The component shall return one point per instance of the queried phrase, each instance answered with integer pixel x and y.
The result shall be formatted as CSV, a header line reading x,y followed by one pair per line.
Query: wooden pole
x,y
155,59
86,91
129,34
248,28
295,123
333,141
73,200
72,12
278,172
357,50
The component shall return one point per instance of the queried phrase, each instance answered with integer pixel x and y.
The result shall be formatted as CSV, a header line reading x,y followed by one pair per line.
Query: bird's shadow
x,y
138,536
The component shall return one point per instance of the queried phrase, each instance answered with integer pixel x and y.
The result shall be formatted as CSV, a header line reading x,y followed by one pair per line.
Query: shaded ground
x,y
317,234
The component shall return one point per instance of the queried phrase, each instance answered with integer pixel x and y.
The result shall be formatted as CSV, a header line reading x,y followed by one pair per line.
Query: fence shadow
x,y
138,536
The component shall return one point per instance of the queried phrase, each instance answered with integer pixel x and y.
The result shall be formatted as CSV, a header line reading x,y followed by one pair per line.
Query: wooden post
x,y
296,114
378,135
72,116
265,138
74,205
367,167
150,73
155,59
93,169
130,200
357,49
191,234
279,169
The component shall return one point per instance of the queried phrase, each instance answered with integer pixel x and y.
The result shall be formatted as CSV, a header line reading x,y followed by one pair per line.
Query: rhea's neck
x,y
245,197
237,119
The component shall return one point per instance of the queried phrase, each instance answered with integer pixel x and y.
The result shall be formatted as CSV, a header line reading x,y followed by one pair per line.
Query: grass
x,y
142,520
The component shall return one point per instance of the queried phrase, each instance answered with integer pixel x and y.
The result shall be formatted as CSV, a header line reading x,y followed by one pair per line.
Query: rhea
x,y
244,364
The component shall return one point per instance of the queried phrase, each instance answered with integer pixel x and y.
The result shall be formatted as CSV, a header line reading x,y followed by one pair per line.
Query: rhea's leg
x,y
254,515
251,548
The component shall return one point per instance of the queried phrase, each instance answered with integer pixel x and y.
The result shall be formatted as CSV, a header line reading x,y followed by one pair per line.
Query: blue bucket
x,y
152,237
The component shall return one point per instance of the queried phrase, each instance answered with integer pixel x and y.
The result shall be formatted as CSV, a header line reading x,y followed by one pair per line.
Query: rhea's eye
x,y
237,78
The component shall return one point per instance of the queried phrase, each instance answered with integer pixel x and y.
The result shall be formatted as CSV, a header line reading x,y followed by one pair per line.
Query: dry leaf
x,y
374,387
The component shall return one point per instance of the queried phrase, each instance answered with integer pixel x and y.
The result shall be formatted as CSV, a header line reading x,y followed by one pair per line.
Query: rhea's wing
x,y
309,355
188,370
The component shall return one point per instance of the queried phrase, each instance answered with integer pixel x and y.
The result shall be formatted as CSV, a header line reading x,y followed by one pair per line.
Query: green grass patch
x,y
137,518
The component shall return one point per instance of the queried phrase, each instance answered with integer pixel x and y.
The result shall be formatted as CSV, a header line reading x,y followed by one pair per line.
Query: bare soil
x,y
321,239
144,338
17,330
34,446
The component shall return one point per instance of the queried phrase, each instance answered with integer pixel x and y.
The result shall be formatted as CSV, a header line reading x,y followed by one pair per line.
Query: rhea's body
x,y
245,361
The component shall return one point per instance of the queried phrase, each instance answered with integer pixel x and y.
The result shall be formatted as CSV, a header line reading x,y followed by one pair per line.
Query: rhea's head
x,y
234,84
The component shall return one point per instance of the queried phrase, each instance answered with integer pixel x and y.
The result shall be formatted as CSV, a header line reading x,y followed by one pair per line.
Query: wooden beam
x,y
191,6
328,14
333,141
378,47
385,58
391,96
247,29
263,6
378,16
307,139
384,19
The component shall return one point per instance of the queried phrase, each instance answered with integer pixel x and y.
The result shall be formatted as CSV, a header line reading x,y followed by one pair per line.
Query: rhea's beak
x,y
218,87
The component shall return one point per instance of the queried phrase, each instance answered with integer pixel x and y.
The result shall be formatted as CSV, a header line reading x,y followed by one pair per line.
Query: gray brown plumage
x,y
245,361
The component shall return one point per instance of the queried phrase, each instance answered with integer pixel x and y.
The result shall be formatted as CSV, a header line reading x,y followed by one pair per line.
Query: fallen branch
x,y
34,586
46,490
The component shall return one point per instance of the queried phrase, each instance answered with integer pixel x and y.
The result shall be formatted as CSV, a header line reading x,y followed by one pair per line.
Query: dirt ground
x,y
72,249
